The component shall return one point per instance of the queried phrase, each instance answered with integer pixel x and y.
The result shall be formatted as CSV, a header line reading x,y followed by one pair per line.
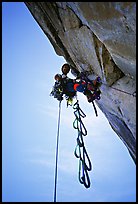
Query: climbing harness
x,y
57,145
80,150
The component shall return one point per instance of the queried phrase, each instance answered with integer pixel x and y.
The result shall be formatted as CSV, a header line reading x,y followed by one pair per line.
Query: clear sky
x,y
29,126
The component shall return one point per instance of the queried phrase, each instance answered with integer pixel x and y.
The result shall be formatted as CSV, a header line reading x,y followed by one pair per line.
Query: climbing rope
x,y
80,150
57,144
94,108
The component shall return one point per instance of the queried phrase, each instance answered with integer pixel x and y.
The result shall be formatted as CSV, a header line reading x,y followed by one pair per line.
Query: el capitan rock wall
x,y
99,37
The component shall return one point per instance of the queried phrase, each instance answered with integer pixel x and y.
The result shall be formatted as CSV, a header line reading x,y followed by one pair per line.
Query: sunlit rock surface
x,y
99,37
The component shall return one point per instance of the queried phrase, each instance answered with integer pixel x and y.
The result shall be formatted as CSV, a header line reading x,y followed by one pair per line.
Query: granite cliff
x,y
98,37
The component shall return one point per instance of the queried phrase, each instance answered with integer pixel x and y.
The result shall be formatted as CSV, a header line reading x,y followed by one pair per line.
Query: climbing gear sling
x,y
80,150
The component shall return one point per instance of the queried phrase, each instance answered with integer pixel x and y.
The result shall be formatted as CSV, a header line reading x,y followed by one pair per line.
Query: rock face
x,y
100,38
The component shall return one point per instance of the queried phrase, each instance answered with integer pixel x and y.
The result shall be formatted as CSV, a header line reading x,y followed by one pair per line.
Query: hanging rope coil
x,y
80,150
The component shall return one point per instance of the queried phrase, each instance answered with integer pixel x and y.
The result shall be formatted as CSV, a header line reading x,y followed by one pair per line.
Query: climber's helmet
x,y
58,77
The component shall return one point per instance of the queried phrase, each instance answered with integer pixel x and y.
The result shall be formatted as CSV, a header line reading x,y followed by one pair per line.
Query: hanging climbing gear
x,y
57,145
92,90
57,91
80,150
63,89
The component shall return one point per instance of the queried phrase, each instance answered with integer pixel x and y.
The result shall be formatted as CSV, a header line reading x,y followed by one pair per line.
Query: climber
x,y
64,86
91,90
71,86
65,70
68,83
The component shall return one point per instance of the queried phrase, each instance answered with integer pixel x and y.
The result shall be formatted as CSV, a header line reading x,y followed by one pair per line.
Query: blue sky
x,y
29,126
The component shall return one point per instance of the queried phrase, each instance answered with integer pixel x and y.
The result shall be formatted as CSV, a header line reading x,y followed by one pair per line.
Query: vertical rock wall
x,y
100,38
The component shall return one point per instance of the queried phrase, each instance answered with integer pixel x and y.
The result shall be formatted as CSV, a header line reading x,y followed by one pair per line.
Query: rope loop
x,y
80,150
83,174
78,124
